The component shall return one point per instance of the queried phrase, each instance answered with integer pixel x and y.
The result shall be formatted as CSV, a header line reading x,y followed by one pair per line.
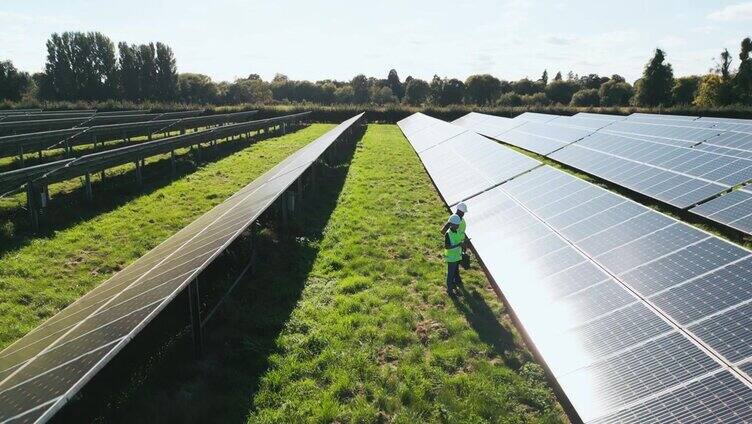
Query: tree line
x,y
87,66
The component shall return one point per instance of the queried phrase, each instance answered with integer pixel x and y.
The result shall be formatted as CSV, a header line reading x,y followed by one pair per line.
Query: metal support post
x,y
31,201
283,210
252,242
194,306
139,176
291,203
21,155
87,189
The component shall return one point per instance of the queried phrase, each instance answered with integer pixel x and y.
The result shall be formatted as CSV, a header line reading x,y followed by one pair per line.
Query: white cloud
x,y
736,12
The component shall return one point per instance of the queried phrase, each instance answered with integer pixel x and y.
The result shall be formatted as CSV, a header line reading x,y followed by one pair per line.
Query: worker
x,y
453,244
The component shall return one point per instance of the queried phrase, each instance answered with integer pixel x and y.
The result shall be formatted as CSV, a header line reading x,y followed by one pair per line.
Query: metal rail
x,y
35,179
20,144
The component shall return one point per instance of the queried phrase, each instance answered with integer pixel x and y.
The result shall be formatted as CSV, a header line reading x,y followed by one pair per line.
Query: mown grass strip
x,y
375,338
46,274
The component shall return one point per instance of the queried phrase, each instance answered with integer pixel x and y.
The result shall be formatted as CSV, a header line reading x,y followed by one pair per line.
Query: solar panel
x,y
614,284
652,117
488,125
463,163
42,370
670,132
733,209
535,117
533,135
601,116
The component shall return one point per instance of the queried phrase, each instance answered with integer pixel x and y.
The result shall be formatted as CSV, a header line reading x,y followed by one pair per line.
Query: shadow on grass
x,y
486,323
158,379
69,208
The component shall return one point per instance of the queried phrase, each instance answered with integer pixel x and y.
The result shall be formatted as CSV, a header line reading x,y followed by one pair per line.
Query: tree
x,y
557,77
709,93
361,89
147,71
416,92
544,78
527,86
327,93
446,91
685,89
130,85
482,89
615,93
344,94
725,94
166,84
453,91
743,79
654,88
80,66
13,84
248,91
560,91
382,95
509,99
592,81
586,97
196,88
393,82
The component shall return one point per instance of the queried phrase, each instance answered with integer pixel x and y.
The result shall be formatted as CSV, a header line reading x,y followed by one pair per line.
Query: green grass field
x,y
42,275
348,321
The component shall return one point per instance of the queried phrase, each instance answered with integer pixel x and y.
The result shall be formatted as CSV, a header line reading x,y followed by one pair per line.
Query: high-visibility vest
x,y
454,254
461,228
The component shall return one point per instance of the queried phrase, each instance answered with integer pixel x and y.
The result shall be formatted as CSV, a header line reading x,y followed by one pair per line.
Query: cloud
x,y
558,41
736,12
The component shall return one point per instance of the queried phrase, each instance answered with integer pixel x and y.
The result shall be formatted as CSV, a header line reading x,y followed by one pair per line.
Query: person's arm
x,y
445,228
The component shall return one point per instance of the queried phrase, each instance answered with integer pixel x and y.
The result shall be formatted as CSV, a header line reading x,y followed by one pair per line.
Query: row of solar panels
x,y
639,317
61,170
14,116
47,123
40,372
11,145
682,161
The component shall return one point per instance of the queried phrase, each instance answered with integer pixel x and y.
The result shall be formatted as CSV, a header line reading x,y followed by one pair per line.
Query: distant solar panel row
x,y
639,317
678,160
41,371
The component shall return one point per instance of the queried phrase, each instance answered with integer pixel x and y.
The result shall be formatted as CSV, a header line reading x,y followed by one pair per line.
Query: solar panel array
x,y
444,147
638,317
41,371
680,160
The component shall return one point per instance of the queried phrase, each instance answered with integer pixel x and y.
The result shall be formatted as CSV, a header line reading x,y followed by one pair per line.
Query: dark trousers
x,y
453,275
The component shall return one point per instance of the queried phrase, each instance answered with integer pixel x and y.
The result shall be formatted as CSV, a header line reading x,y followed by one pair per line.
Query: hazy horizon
x,y
510,40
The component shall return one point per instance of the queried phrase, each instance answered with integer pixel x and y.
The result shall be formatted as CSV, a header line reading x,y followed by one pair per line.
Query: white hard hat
x,y
462,207
455,219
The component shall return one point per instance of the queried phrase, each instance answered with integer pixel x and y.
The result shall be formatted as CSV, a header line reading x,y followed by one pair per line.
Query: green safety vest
x,y
455,239
461,228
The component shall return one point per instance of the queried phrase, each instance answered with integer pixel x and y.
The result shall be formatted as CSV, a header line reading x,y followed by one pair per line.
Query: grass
x,y
349,321
40,276
375,337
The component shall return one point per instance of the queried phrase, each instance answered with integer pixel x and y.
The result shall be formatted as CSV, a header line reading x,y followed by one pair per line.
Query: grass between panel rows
x,y
43,275
375,338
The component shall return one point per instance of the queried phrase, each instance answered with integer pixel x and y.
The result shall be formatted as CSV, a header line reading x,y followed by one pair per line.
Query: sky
x,y
510,39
